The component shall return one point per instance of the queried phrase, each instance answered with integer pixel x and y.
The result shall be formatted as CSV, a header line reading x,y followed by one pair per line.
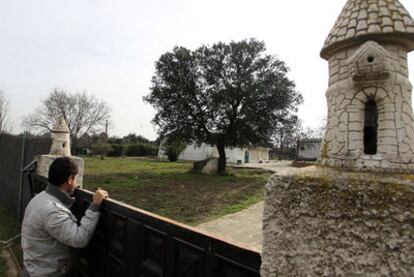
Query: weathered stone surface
x,y
375,18
61,139
60,126
44,161
371,75
326,222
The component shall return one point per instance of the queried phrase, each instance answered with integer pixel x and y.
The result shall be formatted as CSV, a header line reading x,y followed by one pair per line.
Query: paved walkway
x,y
245,227
274,166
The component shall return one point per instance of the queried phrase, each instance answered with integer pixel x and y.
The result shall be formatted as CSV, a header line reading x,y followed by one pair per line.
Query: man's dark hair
x,y
61,169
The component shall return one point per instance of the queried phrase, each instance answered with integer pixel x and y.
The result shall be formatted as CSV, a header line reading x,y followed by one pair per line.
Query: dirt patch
x,y
13,268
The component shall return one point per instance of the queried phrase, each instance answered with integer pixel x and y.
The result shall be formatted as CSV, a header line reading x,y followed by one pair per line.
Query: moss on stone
x,y
357,193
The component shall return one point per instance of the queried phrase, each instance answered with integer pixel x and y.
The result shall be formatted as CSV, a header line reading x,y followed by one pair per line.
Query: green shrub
x,y
101,149
141,149
173,148
152,150
133,150
117,150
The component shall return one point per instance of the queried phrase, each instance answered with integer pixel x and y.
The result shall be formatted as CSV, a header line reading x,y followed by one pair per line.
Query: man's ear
x,y
71,179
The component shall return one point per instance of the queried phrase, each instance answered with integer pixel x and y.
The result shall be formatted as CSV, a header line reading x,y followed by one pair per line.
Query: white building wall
x,y
258,155
202,152
195,153
234,155
309,150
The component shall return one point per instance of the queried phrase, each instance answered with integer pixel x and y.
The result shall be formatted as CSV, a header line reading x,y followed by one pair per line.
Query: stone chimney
x,y
61,139
60,147
370,122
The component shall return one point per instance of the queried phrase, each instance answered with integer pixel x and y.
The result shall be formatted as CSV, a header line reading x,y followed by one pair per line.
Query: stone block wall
x,y
353,81
327,222
339,62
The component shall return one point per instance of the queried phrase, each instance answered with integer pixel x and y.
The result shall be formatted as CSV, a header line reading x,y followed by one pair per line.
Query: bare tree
x,y
4,110
287,133
85,114
313,133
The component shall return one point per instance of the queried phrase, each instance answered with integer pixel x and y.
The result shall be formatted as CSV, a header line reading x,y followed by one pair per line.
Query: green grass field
x,y
171,190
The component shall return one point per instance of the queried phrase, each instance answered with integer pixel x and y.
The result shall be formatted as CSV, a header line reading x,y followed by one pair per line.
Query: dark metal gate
x,y
15,153
132,242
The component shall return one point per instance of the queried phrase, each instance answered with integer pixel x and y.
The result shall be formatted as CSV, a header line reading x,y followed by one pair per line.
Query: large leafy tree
x,y
85,114
227,95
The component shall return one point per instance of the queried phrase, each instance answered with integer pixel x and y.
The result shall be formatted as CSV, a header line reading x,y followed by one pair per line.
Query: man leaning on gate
x,y
50,231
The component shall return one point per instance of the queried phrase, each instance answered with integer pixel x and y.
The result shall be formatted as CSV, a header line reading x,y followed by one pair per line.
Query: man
x,y
49,228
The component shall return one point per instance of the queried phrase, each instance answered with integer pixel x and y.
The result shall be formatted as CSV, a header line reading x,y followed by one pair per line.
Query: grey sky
x,y
108,48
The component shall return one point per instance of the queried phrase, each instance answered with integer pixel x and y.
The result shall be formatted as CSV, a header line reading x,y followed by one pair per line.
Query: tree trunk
x,y
222,158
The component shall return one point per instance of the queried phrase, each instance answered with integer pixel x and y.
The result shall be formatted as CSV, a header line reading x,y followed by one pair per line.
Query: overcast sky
x,y
108,48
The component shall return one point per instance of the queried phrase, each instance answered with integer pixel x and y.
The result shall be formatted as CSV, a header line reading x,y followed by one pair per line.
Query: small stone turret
x,y
370,122
330,221
61,139
60,147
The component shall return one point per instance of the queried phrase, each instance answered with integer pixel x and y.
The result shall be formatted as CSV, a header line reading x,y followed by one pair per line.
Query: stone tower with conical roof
x,y
60,147
370,118
60,139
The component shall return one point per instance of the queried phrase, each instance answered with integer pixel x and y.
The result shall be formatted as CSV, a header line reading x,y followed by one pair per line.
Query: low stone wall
x,y
326,222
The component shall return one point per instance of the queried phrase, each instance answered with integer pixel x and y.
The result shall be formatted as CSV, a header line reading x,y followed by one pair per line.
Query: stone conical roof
x,y
360,20
61,126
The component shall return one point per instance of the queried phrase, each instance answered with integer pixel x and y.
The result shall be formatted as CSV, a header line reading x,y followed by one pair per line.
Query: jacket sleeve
x,y
60,224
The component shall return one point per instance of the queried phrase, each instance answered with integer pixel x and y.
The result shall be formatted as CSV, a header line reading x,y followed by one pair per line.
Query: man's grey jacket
x,y
49,230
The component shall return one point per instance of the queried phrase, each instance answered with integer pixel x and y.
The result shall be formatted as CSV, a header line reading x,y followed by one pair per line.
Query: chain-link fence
x,y
15,153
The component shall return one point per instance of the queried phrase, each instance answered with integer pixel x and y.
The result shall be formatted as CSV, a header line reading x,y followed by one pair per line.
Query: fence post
x,y
297,148
21,181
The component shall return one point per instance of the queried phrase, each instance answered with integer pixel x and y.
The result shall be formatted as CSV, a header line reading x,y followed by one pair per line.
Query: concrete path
x,y
245,227
274,166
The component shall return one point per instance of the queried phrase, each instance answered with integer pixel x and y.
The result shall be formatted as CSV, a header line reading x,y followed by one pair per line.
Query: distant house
x,y
308,149
233,155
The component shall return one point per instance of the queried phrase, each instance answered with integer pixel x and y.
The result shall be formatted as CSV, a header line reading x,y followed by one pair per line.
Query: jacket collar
x,y
60,195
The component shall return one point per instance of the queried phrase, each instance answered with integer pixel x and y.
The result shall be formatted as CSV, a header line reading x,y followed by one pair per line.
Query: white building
x,y
308,149
233,155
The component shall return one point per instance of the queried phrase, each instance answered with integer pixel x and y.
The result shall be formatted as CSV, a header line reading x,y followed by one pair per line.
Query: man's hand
x,y
99,196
